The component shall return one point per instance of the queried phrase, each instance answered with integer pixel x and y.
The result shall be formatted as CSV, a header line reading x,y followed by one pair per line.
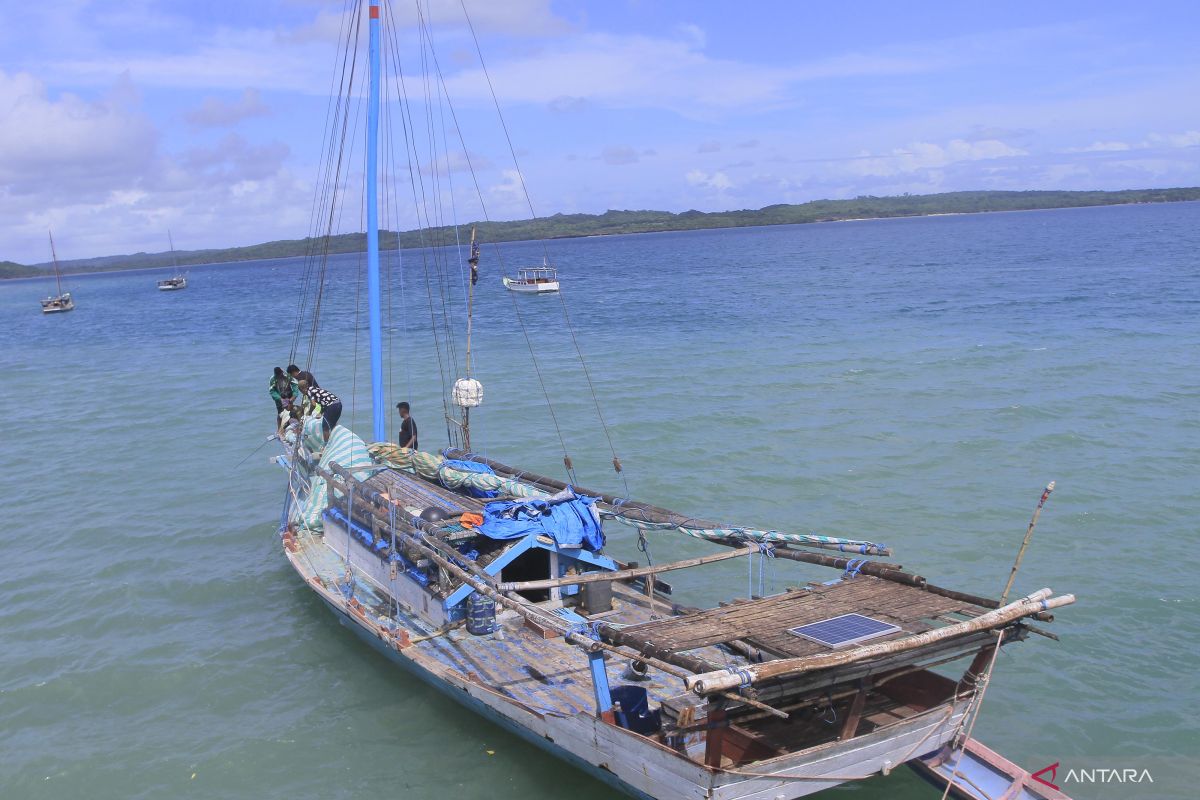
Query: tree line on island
x,y
560,226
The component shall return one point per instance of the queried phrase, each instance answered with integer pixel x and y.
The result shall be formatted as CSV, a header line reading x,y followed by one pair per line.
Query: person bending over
x,y
324,402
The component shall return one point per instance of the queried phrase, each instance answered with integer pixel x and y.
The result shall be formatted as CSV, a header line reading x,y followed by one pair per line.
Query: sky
x,y
121,120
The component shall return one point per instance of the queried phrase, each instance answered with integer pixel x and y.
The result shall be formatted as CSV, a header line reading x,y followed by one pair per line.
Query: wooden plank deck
x,y
548,676
764,623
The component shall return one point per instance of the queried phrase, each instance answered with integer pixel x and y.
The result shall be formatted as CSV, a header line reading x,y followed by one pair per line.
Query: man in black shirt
x,y
408,427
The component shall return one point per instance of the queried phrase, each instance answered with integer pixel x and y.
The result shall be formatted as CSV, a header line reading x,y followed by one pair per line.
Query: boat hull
x,y
637,765
530,288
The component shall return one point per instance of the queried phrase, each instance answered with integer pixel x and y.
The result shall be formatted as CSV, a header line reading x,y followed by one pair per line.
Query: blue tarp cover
x,y
567,518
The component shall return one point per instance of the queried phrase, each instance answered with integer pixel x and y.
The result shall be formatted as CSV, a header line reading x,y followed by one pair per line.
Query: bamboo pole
x,y
722,680
886,571
624,574
1037,512
633,510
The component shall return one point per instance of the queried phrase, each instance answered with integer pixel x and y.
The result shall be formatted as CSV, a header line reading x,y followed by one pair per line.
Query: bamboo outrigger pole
x,y
1037,512
723,680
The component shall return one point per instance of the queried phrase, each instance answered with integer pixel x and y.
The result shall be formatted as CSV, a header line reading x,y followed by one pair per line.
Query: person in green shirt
x,y
283,390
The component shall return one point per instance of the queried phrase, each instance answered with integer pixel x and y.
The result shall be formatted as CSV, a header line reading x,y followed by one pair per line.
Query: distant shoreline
x,y
624,223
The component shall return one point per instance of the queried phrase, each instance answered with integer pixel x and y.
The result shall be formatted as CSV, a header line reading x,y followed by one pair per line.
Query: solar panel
x,y
843,631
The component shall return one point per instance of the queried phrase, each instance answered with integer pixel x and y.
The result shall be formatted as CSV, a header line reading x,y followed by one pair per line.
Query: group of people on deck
x,y
297,394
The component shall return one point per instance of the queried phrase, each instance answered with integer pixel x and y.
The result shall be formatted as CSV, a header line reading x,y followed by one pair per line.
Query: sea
x,y
915,382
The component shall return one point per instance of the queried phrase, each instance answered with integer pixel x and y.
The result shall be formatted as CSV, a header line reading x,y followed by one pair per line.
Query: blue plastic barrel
x,y
481,614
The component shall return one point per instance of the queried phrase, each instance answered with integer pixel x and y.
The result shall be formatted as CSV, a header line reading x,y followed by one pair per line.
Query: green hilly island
x,y
561,226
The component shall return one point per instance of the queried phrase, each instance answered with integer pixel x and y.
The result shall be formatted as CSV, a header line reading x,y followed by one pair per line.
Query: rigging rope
x,y
616,461
499,258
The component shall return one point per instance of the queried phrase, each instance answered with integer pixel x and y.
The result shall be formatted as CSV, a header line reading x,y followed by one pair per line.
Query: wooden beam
x,y
720,680
850,726
623,575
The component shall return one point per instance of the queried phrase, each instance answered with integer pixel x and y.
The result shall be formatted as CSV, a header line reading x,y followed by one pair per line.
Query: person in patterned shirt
x,y
328,404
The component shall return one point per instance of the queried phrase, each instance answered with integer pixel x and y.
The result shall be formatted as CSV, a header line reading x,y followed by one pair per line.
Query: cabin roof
x,y
765,623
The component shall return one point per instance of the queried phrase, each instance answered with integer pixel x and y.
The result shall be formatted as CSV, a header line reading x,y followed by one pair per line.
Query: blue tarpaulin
x,y
567,518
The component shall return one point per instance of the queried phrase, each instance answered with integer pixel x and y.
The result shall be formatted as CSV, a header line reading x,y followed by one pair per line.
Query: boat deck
x,y
765,623
546,675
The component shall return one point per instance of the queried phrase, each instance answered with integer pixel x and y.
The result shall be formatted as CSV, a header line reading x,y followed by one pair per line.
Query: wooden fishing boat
x,y
533,280
495,586
60,301
178,280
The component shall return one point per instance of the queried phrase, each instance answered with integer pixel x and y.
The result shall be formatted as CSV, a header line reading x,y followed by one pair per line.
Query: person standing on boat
x,y
283,391
408,427
325,402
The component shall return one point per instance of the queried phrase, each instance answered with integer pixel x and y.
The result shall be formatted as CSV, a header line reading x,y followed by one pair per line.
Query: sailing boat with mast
x,y
61,301
495,586
178,280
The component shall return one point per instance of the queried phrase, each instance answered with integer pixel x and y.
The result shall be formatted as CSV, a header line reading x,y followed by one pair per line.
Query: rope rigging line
x,y
321,188
616,461
418,197
499,257
438,227
323,260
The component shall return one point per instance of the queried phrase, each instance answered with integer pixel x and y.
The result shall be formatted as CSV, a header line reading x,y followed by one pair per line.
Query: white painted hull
x,y
530,288
172,287
58,309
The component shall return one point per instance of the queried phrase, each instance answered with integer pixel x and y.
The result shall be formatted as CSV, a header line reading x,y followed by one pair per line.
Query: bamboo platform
x,y
764,623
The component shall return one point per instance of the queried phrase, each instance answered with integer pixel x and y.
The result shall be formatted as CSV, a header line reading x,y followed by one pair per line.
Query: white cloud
x,y
1185,139
1101,147
929,155
642,71
215,112
717,181
69,147
619,155
95,171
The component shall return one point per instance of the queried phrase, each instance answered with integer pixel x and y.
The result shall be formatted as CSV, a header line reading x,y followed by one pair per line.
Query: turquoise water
x,y
915,382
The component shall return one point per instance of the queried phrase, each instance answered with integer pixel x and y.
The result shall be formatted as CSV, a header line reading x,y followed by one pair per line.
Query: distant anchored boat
x,y
179,280
61,301
533,280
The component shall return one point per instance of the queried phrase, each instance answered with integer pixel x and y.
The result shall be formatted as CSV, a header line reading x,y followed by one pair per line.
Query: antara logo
x,y
1053,770
1048,775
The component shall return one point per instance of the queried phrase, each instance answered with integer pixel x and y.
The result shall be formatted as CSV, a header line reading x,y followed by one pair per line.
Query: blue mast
x,y
378,417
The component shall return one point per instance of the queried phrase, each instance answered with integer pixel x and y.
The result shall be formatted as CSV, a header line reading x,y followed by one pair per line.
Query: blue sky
x,y
119,120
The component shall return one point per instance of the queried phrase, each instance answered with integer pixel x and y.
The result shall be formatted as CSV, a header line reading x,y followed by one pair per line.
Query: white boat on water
x,y
178,280
533,280
61,301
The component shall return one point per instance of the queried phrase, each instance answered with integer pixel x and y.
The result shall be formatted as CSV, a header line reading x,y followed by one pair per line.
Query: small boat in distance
x,y
62,300
533,279
179,280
